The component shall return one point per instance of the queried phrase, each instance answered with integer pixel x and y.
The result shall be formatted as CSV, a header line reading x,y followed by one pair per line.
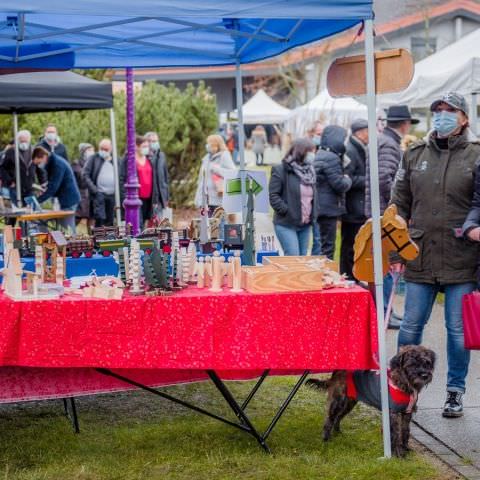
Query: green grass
x,y
138,436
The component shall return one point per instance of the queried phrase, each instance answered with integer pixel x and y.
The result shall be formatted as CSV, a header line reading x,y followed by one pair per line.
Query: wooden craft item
x,y
208,272
217,272
236,272
289,261
395,238
199,271
393,73
272,278
229,272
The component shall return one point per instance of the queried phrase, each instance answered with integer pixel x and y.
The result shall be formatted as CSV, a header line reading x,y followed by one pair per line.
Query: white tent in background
x,y
262,109
454,68
328,110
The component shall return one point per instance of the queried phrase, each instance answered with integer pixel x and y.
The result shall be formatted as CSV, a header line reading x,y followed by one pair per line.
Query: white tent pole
x,y
473,114
377,235
18,180
241,136
113,135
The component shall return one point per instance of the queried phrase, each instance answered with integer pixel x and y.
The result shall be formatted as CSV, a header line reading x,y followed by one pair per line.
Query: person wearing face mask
x,y
61,183
331,185
293,197
99,175
51,142
161,193
29,173
83,213
145,176
433,192
212,171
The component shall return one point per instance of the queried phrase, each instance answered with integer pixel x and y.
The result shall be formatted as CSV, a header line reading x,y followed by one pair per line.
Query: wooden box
x,y
300,261
274,278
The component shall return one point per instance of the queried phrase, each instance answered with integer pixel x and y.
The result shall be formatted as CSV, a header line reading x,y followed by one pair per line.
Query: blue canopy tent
x,y
54,34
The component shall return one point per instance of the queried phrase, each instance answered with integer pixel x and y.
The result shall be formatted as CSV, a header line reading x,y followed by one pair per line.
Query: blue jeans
x,y
294,240
316,245
68,223
387,290
419,300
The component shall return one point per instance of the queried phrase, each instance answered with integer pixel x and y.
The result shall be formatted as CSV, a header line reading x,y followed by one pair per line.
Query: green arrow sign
x,y
234,186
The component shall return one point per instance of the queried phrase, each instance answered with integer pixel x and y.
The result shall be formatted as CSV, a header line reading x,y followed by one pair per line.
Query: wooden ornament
x,y
199,271
217,272
236,272
393,73
208,272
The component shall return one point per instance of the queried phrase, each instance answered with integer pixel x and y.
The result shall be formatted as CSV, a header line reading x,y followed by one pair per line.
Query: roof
x,y
389,10
55,34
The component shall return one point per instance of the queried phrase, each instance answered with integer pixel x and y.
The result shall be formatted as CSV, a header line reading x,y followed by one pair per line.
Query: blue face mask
x,y
317,139
445,123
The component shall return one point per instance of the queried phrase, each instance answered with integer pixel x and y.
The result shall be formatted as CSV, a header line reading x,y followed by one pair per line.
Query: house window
x,y
423,47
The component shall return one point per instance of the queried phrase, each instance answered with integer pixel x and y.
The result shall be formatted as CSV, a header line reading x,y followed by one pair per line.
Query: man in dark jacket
x,y
399,122
99,175
332,183
61,182
354,218
28,170
51,142
161,194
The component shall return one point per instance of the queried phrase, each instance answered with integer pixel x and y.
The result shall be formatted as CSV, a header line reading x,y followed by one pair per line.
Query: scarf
x,y
305,171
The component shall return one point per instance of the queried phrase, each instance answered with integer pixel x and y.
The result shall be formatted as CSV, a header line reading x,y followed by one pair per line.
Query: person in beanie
x,y
354,218
399,122
433,192
293,195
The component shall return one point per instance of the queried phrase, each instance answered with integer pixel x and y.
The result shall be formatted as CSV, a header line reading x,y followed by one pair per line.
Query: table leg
x,y
71,413
255,389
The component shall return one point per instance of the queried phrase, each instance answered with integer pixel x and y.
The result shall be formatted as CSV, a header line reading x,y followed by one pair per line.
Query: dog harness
x,y
364,386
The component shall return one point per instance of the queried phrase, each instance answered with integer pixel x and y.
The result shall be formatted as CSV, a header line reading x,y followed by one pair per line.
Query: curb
x,y
443,452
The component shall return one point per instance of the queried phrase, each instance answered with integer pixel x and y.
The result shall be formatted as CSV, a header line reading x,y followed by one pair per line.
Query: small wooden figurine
x,y
135,268
192,261
208,272
229,272
218,272
236,272
199,271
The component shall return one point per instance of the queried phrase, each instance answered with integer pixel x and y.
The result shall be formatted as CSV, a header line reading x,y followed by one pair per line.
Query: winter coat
x,y
433,193
59,148
213,166
159,180
355,168
285,197
83,210
28,170
331,181
161,189
389,157
61,183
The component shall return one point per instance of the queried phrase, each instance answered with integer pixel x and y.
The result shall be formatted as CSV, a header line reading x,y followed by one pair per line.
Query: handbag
x,y
471,320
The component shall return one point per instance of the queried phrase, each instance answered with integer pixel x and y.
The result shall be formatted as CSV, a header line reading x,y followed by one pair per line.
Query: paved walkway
x,y
457,441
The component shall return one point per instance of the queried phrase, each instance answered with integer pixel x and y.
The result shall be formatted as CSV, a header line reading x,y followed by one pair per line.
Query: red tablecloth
x,y
173,339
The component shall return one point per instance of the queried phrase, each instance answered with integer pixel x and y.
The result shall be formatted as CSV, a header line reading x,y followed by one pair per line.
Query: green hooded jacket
x,y
433,192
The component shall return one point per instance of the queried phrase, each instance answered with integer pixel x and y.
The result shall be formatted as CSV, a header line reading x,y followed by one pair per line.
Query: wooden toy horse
x,y
395,238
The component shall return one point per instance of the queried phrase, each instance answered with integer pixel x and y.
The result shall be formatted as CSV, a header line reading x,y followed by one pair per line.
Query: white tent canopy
x,y
326,109
262,109
454,68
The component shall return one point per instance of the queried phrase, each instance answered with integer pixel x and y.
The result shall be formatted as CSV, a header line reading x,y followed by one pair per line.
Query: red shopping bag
x,y
471,320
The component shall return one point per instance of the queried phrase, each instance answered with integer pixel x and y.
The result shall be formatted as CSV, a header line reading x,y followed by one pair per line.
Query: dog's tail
x,y
317,383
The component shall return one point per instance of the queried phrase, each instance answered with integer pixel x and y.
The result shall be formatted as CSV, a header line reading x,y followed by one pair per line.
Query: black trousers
x,y
328,233
109,212
145,211
349,231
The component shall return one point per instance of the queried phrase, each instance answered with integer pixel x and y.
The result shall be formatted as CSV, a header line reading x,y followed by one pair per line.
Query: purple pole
x,y
131,203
